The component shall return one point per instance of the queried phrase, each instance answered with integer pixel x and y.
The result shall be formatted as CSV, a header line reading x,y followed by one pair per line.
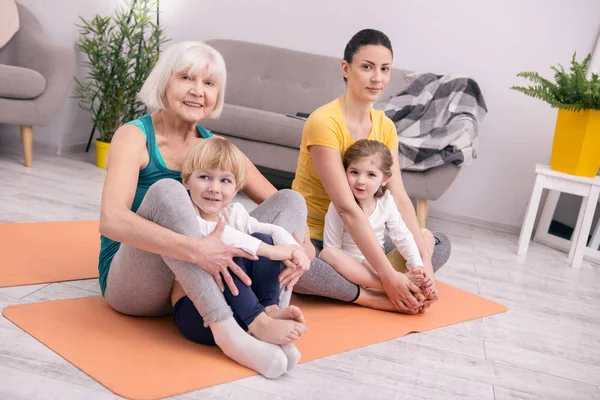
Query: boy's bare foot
x,y
290,312
276,331
416,276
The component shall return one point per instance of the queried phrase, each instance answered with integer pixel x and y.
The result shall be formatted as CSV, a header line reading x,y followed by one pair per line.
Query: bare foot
x,y
416,276
290,312
276,331
378,300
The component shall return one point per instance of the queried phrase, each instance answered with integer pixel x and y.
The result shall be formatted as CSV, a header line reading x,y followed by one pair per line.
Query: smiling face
x,y
365,177
369,72
211,191
192,97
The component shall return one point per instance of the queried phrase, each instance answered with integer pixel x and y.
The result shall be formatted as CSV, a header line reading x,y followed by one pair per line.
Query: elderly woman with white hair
x,y
150,235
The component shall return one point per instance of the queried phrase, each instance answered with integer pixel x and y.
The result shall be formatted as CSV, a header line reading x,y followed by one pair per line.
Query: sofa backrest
x,y
284,81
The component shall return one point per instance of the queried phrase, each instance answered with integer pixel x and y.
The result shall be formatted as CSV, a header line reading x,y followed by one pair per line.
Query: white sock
x,y
285,296
292,354
267,359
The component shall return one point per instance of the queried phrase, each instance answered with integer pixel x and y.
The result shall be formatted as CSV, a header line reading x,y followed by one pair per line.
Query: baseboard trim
x,y
481,223
70,149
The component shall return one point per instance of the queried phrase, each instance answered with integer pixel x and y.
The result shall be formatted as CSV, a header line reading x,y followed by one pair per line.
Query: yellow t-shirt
x,y
327,127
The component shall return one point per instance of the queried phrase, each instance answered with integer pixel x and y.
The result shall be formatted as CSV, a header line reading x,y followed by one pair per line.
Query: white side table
x,y
588,188
543,236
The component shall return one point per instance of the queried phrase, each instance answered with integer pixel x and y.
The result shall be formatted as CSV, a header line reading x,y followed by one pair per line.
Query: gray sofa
x,y
35,78
265,83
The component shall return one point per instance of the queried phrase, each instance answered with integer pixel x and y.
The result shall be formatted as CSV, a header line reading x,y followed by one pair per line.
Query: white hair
x,y
193,57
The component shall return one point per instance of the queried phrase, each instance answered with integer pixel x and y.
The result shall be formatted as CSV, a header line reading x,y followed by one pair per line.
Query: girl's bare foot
x,y
378,300
416,276
276,331
290,312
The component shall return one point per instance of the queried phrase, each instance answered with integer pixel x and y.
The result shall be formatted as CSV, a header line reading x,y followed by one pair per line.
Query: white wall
x,y
490,41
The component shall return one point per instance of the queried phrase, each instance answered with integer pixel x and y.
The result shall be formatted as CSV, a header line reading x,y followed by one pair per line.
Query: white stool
x,y
588,188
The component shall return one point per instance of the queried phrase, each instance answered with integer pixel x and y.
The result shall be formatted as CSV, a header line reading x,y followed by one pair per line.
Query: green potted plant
x,y
576,146
121,50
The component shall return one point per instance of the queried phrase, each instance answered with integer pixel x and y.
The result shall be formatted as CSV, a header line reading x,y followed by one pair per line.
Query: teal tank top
x,y
153,172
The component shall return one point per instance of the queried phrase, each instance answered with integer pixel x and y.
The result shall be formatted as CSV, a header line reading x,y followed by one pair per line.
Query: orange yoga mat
x,y
43,252
147,358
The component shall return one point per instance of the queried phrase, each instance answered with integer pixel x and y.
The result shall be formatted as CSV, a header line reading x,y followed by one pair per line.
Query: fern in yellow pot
x,y
576,146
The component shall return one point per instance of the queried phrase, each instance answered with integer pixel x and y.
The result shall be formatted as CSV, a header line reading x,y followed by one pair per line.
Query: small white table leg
x,y
596,236
586,224
577,229
532,208
547,213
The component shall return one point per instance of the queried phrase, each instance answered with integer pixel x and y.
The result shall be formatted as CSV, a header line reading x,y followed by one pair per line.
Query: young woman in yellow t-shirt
x,y
321,178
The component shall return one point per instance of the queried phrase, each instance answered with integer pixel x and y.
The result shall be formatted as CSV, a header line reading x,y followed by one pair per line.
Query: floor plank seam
x,y
35,291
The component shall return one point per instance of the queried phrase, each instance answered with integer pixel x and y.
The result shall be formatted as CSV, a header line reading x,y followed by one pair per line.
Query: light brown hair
x,y
367,148
216,153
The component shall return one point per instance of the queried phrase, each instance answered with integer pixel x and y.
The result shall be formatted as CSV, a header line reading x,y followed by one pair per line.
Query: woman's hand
x,y
399,290
216,258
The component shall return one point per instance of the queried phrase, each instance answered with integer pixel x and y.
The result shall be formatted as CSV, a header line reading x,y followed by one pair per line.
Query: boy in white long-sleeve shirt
x,y
213,172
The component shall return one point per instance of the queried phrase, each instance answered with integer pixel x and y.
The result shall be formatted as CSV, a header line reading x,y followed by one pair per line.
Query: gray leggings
x,y
139,282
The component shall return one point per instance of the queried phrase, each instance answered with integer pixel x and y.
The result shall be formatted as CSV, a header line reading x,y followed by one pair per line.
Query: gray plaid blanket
x,y
437,118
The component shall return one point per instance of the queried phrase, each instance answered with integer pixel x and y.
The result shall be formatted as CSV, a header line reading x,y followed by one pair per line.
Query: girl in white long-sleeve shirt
x,y
368,166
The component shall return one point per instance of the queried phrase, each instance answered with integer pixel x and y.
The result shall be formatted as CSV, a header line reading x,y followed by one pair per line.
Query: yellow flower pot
x,y
101,152
576,147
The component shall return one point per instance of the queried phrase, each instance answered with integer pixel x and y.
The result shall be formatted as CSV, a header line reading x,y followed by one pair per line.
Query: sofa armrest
x,y
29,48
430,184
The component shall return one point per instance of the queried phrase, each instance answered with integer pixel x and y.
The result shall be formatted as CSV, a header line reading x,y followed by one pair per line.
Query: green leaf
x,y
120,51
570,90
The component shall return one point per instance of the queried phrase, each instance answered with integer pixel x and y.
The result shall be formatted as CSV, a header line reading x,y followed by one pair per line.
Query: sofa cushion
x,y
257,125
20,83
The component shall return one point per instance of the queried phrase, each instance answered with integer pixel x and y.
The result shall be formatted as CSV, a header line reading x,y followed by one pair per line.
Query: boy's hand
x,y
307,245
300,258
283,252
296,267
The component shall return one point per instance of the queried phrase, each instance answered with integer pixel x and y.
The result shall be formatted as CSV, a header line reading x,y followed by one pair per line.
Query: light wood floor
x,y
546,347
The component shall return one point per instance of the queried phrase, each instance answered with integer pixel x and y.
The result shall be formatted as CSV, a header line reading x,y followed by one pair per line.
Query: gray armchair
x,y
35,78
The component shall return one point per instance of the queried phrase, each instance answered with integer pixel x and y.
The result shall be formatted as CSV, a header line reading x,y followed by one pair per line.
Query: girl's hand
x,y
427,286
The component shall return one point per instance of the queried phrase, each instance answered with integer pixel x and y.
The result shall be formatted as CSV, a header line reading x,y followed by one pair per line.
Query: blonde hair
x,y
193,57
367,148
216,153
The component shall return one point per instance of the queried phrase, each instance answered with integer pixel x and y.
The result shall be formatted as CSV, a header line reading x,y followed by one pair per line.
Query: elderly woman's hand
x,y
216,257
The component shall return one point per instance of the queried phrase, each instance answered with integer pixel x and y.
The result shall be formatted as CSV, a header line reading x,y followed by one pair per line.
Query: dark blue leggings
x,y
246,306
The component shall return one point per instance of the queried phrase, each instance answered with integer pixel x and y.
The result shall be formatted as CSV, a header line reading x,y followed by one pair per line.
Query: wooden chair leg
x,y
27,139
422,210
